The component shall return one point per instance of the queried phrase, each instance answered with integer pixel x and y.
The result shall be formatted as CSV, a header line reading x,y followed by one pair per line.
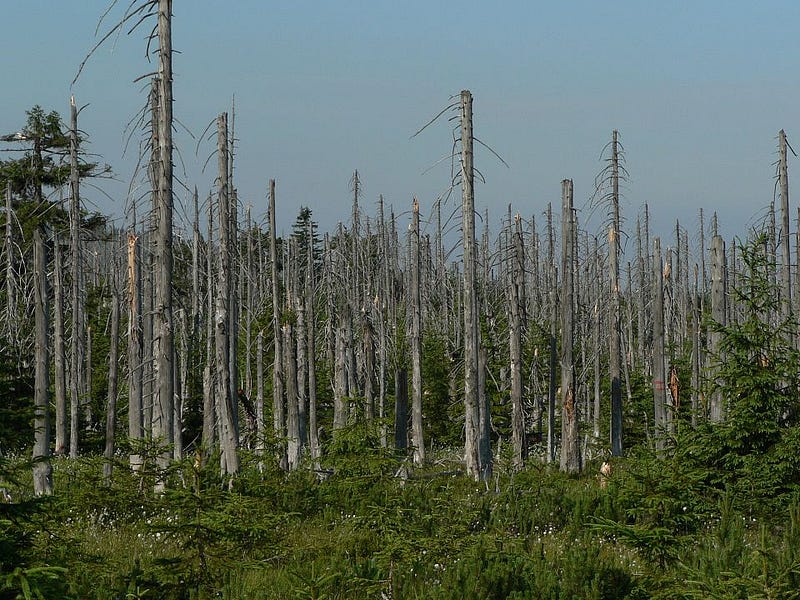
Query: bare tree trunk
x,y
417,441
311,346
42,471
614,358
76,341
718,314
163,344
553,346
786,270
209,372
11,298
516,283
340,389
229,460
401,409
570,441
659,365
278,414
474,464
292,413
135,425
60,354
111,405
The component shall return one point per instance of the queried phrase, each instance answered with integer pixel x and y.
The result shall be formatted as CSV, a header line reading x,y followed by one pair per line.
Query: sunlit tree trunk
x,y
42,471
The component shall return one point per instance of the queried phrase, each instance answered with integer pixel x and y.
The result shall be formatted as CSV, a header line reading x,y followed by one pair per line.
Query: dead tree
x,y
76,340
719,316
60,382
786,269
226,397
659,364
478,466
417,441
42,471
516,301
278,413
570,441
111,404
163,342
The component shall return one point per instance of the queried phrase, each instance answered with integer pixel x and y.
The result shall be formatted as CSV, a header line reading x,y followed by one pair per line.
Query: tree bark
x,y
42,471
472,451
719,315
659,365
60,354
111,404
163,346
76,341
516,283
570,442
417,441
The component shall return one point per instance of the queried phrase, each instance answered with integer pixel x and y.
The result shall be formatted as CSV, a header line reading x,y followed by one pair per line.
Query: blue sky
x,y
698,91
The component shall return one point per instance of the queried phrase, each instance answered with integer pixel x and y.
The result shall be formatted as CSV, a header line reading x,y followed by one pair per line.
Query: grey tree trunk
x,y
60,353
42,471
719,315
311,347
163,344
516,285
228,436
278,414
417,441
209,372
292,413
570,441
401,409
786,268
11,297
111,404
76,340
614,357
553,346
135,424
659,365
472,451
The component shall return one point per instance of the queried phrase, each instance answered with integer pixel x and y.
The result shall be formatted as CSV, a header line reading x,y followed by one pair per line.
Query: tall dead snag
x,y
76,340
553,342
135,424
209,372
417,441
659,364
516,301
613,250
477,465
570,441
226,403
311,347
718,315
8,246
111,405
786,270
163,342
42,471
278,413
58,348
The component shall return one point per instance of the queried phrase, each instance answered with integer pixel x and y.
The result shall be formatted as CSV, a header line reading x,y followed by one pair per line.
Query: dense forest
x,y
407,406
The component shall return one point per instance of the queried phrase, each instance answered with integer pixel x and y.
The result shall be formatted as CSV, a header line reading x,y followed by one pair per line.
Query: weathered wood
x,y
76,339
570,443
785,235
475,462
719,315
516,302
42,471
111,399
163,342
614,316
60,383
226,397
659,367
417,441
278,406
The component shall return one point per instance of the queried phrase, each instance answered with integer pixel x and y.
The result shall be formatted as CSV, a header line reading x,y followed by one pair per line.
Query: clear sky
x,y
698,90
